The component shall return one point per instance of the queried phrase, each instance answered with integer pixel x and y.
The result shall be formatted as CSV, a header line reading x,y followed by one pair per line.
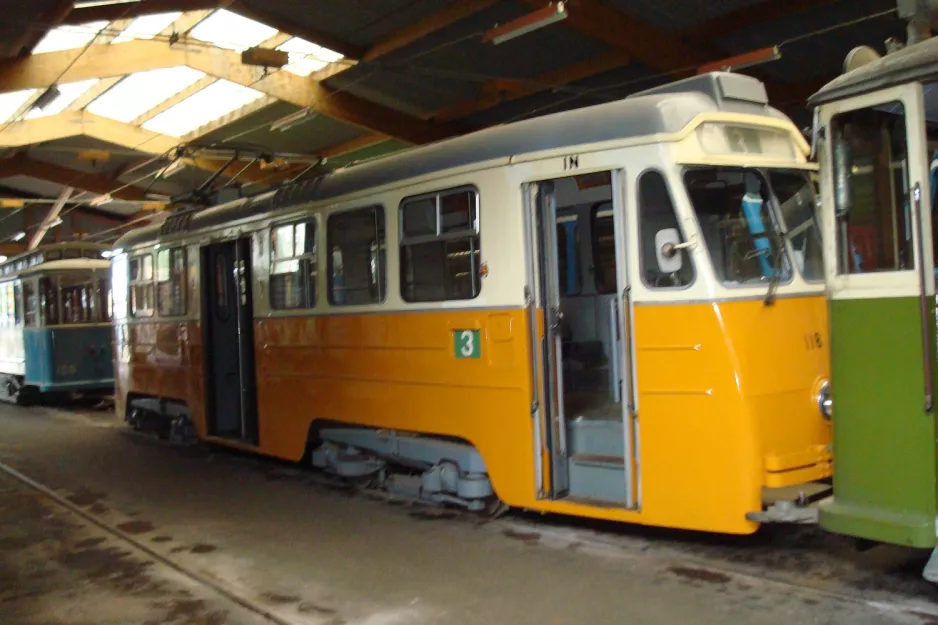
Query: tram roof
x,y
56,253
663,110
915,63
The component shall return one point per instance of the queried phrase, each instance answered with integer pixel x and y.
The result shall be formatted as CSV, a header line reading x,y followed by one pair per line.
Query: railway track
x,y
789,559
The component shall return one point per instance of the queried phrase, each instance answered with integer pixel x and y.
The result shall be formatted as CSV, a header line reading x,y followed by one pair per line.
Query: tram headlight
x,y
825,402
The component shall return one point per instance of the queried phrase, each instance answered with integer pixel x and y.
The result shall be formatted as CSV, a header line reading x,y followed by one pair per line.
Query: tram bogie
x,y
592,313
55,334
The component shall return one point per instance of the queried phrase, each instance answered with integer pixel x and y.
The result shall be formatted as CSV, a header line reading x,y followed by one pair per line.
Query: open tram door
x,y
228,327
583,406
879,266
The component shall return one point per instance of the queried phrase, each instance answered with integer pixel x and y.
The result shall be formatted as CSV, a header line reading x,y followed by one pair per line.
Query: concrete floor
x,y
316,554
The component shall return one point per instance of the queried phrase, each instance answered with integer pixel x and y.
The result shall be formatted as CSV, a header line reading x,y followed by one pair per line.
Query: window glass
x,y
293,269
78,299
733,207
870,156
419,218
120,287
141,286
440,259
105,299
568,255
356,240
18,302
49,301
604,248
656,213
32,303
4,307
795,194
171,281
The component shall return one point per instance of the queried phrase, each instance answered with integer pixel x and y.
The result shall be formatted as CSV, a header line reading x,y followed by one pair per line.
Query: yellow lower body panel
x,y
724,399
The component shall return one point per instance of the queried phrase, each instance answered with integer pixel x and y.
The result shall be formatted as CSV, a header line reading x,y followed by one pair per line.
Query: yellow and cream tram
x,y
614,312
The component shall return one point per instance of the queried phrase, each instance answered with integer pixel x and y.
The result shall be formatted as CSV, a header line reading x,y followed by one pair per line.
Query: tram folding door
x,y
227,320
881,282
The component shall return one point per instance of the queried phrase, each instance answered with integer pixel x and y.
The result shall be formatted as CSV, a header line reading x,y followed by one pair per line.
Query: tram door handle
x,y
557,319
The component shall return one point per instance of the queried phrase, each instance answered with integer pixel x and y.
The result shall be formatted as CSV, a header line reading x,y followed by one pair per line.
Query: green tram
x,y
876,140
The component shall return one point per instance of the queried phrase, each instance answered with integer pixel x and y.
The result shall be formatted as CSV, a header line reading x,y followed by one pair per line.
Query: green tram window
x,y
874,231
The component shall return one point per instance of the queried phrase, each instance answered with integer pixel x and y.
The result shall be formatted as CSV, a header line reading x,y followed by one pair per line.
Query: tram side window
x,y
171,281
141,286
440,247
32,303
78,300
293,269
874,230
604,248
49,301
568,255
18,303
7,314
656,213
356,243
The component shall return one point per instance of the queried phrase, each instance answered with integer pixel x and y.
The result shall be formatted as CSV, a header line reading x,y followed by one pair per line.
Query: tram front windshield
x,y
750,217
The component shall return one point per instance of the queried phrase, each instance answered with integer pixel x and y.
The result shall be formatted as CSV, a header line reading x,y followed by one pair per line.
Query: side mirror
x,y
667,245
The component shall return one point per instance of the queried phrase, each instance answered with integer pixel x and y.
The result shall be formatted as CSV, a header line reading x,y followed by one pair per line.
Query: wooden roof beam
x,y
455,11
109,12
495,92
48,19
747,17
103,61
285,25
22,165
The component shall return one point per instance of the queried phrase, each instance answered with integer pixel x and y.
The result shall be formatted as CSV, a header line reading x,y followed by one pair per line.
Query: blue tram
x,y
55,333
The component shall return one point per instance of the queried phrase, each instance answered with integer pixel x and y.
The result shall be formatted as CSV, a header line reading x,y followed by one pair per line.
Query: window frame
x,y
382,269
773,213
184,277
593,215
475,230
311,256
688,254
132,284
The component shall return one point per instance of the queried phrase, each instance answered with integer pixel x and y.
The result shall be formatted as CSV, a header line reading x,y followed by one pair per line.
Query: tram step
x,y
599,477
596,437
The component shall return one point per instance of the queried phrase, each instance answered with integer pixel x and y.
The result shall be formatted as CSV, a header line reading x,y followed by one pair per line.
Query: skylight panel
x,y
68,93
147,27
138,93
11,102
306,57
69,37
232,31
216,100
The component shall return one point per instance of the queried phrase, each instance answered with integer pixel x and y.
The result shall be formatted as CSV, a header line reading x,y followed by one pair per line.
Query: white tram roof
x,y
915,63
662,110
57,257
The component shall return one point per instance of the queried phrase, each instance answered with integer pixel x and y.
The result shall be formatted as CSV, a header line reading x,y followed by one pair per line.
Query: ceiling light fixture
x,y
292,120
57,222
19,236
85,4
100,200
553,12
48,96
